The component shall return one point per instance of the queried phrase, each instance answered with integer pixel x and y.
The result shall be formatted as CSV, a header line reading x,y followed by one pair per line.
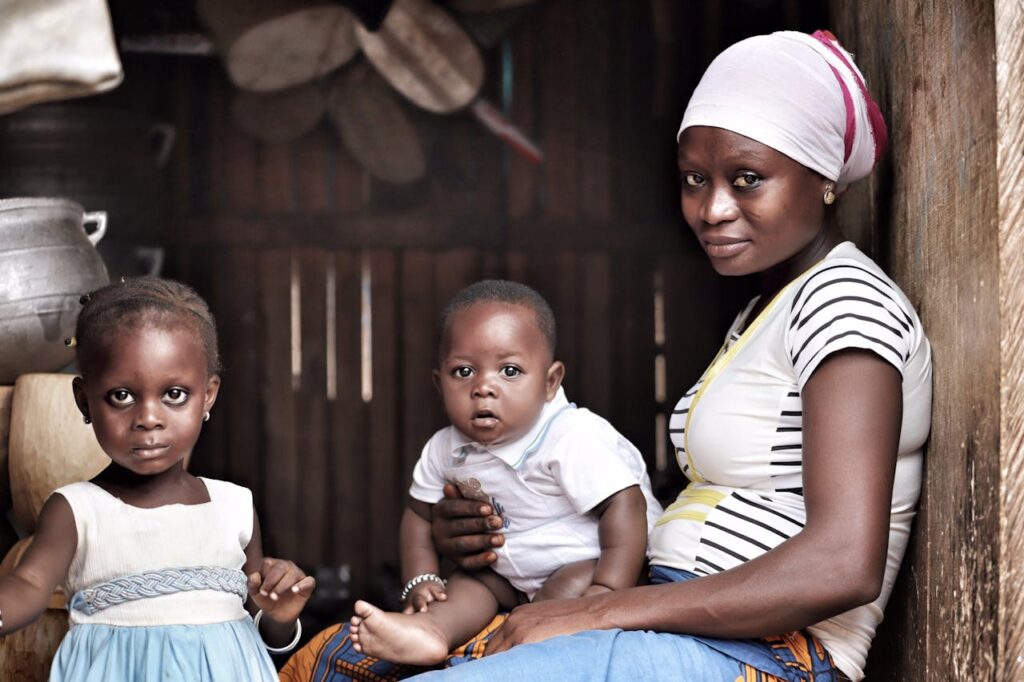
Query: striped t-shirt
x,y
742,446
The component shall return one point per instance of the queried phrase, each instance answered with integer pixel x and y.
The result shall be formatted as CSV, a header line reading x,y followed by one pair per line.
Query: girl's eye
x,y
693,179
747,180
120,397
462,372
175,396
511,371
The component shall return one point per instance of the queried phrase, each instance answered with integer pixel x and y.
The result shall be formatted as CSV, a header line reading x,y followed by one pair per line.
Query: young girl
x,y
156,562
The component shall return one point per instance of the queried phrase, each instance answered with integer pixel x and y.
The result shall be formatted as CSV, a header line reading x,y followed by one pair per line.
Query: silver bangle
x,y
287,647
421,578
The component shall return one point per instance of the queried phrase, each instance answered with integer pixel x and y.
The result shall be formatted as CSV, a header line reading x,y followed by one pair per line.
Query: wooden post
x,y
943,214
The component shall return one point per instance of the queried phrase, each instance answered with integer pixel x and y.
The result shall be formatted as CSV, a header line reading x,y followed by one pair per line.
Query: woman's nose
x,y
719,206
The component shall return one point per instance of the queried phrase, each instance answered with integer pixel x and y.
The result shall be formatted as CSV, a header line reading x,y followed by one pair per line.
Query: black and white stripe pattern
x,y
842,306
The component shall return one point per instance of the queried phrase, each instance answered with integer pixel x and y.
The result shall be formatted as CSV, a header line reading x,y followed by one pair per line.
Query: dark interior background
x,y
327,284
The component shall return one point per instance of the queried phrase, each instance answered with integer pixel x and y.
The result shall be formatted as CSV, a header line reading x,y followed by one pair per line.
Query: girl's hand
x,y
465,531
546,619
280,589
422,594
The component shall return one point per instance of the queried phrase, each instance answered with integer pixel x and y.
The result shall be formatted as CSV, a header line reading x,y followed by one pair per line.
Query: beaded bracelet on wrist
x,y
421,578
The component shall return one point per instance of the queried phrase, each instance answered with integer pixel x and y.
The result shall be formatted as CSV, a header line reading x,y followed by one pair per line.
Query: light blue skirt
x,y
218,652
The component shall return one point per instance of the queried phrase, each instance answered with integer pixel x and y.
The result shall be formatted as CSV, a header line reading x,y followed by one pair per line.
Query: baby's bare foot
x,y
397,637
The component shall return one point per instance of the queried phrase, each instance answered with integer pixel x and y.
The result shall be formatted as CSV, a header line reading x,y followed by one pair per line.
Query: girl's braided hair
x,y
138,301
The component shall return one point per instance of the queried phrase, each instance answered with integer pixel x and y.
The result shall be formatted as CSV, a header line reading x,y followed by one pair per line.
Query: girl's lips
x,y
150,450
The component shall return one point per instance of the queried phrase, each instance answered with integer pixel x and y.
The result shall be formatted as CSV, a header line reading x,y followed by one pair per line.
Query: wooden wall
x,y
943,214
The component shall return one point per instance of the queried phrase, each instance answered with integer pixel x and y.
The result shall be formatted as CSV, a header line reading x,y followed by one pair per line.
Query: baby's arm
x,y
25,591
419,558
622,531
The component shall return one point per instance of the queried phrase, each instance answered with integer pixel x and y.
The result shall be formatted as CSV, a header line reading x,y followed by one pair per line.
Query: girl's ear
x,y
78,388
556,372
212,387
437,380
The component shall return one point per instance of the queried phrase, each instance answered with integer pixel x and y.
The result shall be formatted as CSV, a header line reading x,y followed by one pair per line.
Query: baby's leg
x,y
568,582
425,638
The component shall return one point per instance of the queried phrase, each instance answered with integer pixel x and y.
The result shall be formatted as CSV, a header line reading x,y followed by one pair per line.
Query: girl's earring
x,y
86,419
206,417
830,195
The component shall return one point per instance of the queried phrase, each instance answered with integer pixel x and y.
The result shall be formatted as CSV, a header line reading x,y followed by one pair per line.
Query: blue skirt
x,y
218,652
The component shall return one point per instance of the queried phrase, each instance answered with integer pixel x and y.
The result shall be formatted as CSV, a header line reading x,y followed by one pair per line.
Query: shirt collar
x,y
513,452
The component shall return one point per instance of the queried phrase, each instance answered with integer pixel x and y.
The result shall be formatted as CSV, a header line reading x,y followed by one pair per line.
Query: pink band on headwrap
x,y
878,129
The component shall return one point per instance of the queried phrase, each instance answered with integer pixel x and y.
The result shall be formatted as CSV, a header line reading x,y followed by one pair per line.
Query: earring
x,y
86,420
206,417
830,195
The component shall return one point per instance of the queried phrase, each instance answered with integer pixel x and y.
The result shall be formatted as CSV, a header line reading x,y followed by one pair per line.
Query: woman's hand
x,y
423,594
465,531
281,589
546,619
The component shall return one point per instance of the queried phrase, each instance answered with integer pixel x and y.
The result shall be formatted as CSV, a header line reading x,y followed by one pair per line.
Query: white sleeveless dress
x,y
190,627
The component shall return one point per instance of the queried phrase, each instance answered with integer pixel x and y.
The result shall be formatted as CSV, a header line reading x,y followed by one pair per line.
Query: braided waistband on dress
x,y
158,583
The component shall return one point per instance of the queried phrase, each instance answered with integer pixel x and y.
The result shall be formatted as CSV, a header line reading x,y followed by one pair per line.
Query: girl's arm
x,y
853,411
418,556
277,587
622,530
25,591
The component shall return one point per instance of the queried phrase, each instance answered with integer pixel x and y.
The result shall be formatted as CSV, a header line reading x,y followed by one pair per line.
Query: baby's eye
x,y
693,179
120,397
511,371
175,396
747,180
462,372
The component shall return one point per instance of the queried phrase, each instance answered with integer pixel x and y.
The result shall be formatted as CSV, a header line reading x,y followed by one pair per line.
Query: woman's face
x,y
751,207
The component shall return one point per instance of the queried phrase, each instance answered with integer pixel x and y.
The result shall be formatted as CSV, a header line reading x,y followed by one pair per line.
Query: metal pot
x,y
48,259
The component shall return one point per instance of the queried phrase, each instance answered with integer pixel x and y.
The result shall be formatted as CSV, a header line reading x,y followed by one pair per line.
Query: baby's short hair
x,y
503,291
143,300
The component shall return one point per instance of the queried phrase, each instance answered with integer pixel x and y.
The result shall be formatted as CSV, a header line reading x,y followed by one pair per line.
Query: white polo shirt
x,y
543,484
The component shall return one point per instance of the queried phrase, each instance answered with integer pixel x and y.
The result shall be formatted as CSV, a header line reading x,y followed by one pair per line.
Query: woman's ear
x,y
556,372
212,388
78,388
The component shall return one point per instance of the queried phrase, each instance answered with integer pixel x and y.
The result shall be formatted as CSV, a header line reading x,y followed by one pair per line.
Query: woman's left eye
x,y
175,396
747,180
511,371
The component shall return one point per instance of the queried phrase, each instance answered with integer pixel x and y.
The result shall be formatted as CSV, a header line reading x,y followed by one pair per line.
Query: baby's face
x,y
496,372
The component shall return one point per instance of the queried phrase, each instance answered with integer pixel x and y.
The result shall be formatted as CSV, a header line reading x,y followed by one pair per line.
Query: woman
x,y
802,441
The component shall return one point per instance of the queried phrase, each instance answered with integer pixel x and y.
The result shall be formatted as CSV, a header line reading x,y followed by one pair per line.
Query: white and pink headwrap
x,y
799,94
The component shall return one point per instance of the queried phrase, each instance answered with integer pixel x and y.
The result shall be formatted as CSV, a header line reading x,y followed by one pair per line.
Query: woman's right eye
x,y
693,179
462,372
120,397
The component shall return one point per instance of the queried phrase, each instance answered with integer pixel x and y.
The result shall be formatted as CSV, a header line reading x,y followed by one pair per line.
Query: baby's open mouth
x,y
484,418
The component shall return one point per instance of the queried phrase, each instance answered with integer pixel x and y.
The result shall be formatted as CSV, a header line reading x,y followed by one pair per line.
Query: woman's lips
x,y
724,247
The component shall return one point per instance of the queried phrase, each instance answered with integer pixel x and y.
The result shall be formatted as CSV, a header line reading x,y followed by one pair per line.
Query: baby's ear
x,y
556,372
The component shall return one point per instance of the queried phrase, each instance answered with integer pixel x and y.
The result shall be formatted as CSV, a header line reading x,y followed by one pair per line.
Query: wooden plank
x,y
523,180
241,338
417,336
387,501
309,158
281,511
311,411
593,97
1009,32
560,112
348,466
594,361
274,176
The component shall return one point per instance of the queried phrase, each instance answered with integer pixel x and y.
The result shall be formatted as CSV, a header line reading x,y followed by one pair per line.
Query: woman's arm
x,y
25,591
852,407
622,530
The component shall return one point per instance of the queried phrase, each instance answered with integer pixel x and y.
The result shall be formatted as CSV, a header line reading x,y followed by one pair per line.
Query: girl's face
x,y
751,207
146,396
